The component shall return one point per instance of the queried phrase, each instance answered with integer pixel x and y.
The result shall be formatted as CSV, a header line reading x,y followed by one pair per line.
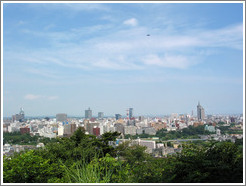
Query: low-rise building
x,y
209,128
130,130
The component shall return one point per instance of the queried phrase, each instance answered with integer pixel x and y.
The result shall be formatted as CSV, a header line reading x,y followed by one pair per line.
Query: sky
x,y
157,58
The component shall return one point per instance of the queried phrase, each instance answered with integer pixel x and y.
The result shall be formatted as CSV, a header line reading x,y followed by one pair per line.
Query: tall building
x,y
117,116
69,130
200,112
19,117
22,114
100,115
61,117
60,130
88,113
130,113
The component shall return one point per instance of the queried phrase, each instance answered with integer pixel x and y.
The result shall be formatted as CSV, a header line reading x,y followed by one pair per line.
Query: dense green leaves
x,y
25,139
29,167
187,133
214,163
85,158
190,132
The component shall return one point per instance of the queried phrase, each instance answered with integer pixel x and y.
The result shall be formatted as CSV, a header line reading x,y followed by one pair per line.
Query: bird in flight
x,y
148,35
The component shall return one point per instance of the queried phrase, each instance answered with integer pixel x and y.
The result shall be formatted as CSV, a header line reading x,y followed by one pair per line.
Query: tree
x,y
214,163
28,167
104,143
133,154
47,118
109,136
78,135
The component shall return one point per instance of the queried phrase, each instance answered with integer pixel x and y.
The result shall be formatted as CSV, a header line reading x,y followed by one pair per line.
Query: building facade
x,y
100,115
117,116
130,130
89,127
61,117
96,131
25,130
119,128
69,130
200,112
88,114
19,117
130,113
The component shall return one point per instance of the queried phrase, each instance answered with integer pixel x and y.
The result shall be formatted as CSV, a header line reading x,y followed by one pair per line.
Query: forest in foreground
x,y
84,158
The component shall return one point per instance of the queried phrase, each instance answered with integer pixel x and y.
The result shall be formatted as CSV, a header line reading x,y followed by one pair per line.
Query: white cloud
x,y
86,6
42,72
117,63
35,97
73,6
32,96
128,49
131,22
176,61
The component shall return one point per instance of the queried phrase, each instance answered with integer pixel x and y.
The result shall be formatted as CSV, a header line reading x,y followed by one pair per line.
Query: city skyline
x,y
88,114
158,58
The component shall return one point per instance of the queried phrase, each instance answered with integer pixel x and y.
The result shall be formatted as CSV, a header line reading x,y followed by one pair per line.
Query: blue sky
x,y
68,57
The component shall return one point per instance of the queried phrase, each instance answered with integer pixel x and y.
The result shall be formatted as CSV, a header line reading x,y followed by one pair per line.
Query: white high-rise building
x,y
60,131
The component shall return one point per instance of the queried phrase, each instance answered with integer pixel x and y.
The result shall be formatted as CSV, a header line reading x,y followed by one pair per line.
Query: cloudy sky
x,y
67,57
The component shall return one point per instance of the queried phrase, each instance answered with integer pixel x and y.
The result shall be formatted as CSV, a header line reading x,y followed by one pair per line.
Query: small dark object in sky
x,y
148,35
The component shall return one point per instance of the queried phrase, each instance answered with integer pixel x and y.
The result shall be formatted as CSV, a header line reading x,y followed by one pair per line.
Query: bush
x,y
29,167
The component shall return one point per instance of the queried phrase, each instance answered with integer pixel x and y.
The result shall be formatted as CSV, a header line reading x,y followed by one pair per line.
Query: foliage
x,y
28,167
239,142
132,153
215,163
83,172
100,170
87,159
78,136
18,138
117,169
224,129
187,133
24,139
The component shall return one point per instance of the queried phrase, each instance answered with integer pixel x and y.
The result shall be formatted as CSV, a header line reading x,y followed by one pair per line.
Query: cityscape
x,y
131,125
140,92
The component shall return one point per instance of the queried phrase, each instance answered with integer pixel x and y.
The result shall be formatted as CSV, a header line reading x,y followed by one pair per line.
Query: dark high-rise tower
x,y
88,113
117,116
100,115
130,113
200,112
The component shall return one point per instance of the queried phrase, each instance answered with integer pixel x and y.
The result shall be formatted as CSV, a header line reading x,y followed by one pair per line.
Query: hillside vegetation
x,y
86,159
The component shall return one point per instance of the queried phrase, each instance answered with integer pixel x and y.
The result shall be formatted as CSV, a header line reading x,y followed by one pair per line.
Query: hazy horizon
x,y
158,58
123,116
